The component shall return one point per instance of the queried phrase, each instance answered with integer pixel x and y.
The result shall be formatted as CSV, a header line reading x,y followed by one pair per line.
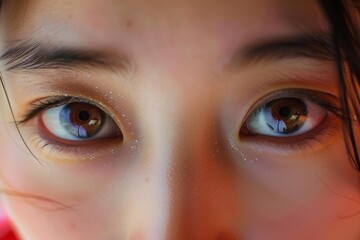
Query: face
x,y
173,120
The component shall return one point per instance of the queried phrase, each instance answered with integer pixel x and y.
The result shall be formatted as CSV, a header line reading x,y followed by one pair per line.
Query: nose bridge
x,y
188,169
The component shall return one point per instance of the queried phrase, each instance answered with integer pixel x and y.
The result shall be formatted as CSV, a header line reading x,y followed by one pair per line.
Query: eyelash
x,y
52,102
291,143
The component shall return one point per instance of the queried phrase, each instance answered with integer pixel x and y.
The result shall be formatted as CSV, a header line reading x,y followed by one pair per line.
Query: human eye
x,y
72,126
291,116
78,121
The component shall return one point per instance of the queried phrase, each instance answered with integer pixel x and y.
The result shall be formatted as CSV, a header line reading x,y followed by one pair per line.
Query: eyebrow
x,y
318,46
28,55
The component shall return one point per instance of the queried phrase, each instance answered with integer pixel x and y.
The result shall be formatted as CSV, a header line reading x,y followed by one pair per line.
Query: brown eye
x,y
82,120
79,121
284,117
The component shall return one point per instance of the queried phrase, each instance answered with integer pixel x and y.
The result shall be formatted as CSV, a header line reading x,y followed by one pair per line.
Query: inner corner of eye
x,y
245,130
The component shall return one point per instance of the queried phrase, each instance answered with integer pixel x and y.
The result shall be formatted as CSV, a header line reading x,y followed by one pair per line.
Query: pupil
x,y
284,112
84,116
285,115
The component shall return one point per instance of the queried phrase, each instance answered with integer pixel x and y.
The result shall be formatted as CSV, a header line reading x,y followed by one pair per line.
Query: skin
x,y
182,171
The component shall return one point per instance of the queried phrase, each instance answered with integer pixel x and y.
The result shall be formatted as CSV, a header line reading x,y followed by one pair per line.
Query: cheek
x,y
320,219
73,202
62,198
262,196
308,197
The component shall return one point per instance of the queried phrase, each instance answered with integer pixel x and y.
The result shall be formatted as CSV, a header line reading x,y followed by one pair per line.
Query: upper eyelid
x,y
52,102
323,99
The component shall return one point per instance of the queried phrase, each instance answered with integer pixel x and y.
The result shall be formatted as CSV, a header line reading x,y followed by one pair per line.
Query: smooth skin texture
x,y
171,83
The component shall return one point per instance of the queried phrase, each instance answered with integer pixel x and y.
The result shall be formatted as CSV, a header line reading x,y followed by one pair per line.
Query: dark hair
x,y
345,39
341,15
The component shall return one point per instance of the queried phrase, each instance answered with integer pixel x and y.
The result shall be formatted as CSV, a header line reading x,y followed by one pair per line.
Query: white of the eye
x,y
51,120
257,122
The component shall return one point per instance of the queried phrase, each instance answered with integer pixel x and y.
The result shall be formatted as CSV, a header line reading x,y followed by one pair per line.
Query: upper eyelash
x,y
49,103
309,95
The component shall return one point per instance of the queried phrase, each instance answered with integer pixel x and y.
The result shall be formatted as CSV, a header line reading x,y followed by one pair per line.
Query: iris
x,y
286,115
81,120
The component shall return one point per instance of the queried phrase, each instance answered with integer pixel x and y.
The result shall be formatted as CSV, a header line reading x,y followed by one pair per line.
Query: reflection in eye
x,y
284,117
79,121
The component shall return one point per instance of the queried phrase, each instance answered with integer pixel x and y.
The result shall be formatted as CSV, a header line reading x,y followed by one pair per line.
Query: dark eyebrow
x,y
27,55
318,47
30,56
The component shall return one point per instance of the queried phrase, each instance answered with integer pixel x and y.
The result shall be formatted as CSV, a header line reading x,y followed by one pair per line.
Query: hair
x,y
341,16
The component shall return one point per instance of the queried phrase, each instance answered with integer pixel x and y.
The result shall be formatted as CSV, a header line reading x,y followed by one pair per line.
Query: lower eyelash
x,y
309,142
45,149
324,137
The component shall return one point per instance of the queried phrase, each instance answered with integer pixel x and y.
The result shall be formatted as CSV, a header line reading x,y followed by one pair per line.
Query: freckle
x,y
129,23
147,179
73,226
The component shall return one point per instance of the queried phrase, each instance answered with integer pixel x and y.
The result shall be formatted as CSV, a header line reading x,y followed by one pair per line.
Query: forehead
x,y
159,29
118,16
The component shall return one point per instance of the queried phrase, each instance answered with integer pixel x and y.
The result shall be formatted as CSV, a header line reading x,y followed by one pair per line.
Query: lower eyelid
x,y
328,131
50,150
47,148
